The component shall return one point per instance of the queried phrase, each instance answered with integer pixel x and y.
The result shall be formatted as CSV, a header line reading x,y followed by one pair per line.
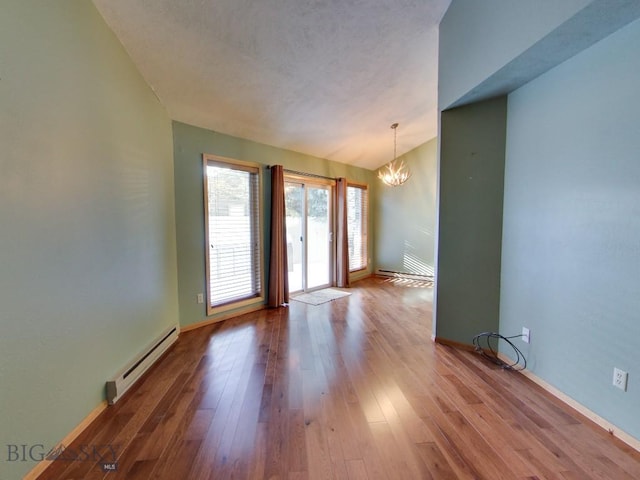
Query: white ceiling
x,y
321,77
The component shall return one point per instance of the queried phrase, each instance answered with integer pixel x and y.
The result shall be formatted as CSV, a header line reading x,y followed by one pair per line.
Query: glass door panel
x,y
294,203
318,236
309,235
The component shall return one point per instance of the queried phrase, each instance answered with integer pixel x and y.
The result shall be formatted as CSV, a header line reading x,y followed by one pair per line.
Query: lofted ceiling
x,y
321,77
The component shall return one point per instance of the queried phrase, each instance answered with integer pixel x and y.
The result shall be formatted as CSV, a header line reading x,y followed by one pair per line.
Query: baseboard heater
x,y
413,276
117,386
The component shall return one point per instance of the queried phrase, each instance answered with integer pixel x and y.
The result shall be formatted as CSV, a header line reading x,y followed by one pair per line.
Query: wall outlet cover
x,y
620,379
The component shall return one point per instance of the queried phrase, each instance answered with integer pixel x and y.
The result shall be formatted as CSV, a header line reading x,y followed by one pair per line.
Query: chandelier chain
x,y
395,140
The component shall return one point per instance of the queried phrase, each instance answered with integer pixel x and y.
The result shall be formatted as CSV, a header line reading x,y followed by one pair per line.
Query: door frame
x,y
307,181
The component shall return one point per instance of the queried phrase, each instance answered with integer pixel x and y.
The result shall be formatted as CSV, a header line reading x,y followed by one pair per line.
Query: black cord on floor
x,y
491,353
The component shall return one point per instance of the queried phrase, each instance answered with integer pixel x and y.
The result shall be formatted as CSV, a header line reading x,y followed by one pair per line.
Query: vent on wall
x,y
117,386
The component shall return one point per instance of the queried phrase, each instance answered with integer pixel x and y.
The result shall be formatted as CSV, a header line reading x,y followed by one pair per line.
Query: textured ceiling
x,y
322,77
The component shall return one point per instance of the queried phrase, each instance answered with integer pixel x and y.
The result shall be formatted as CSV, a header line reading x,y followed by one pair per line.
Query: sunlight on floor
x,y
410,282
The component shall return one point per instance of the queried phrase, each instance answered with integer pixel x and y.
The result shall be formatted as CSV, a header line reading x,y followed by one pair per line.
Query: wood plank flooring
x,y
351,389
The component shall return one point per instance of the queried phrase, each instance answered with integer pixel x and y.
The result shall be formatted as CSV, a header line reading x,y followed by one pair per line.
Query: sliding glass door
x,y
309,234
319,237
294,200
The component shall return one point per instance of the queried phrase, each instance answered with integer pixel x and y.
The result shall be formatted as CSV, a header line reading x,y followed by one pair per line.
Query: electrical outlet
x,y
620,379
525,335
200,298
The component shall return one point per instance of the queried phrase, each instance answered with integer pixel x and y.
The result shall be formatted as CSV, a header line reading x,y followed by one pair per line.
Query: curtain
x,y
278,269
342,250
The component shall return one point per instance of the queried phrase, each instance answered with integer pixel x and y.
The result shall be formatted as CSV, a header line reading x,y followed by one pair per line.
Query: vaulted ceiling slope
x,y
325,77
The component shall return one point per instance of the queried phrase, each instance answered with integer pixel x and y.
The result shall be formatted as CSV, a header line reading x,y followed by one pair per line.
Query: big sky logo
x,y
105,455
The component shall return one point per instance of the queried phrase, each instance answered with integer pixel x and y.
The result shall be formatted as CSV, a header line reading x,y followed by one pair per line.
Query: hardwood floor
x,y
352,389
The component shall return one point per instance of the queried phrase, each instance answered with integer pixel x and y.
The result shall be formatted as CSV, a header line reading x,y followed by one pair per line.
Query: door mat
x,y
320,296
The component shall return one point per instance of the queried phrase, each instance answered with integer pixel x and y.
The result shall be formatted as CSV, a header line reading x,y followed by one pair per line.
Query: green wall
x,y
571,248
569,261
189,144
478,38
87,232
490,48
405,217
471,166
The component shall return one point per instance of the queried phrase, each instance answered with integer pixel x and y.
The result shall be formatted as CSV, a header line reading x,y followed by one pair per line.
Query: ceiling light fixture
x,y
394,173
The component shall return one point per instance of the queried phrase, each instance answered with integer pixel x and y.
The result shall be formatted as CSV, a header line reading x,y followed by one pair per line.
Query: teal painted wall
x,y
189,144
477,38
571,249
405,217
87,232
470,194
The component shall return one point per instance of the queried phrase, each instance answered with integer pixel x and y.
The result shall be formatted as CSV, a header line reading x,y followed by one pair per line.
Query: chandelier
x,y
394,173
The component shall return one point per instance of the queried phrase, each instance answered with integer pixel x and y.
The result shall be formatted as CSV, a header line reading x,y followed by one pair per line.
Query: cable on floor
x,y
490,352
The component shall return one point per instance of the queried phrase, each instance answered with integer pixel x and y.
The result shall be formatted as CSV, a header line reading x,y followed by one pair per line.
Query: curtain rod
x,y
295,172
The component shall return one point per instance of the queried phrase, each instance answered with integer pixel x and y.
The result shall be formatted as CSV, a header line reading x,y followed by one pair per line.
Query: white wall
x,y
571,234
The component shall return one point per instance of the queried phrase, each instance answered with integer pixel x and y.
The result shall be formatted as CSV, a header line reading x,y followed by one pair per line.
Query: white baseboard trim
x,y
612,429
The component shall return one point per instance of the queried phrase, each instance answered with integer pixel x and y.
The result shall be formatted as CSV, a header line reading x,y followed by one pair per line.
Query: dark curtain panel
x,y
278,270
342,254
